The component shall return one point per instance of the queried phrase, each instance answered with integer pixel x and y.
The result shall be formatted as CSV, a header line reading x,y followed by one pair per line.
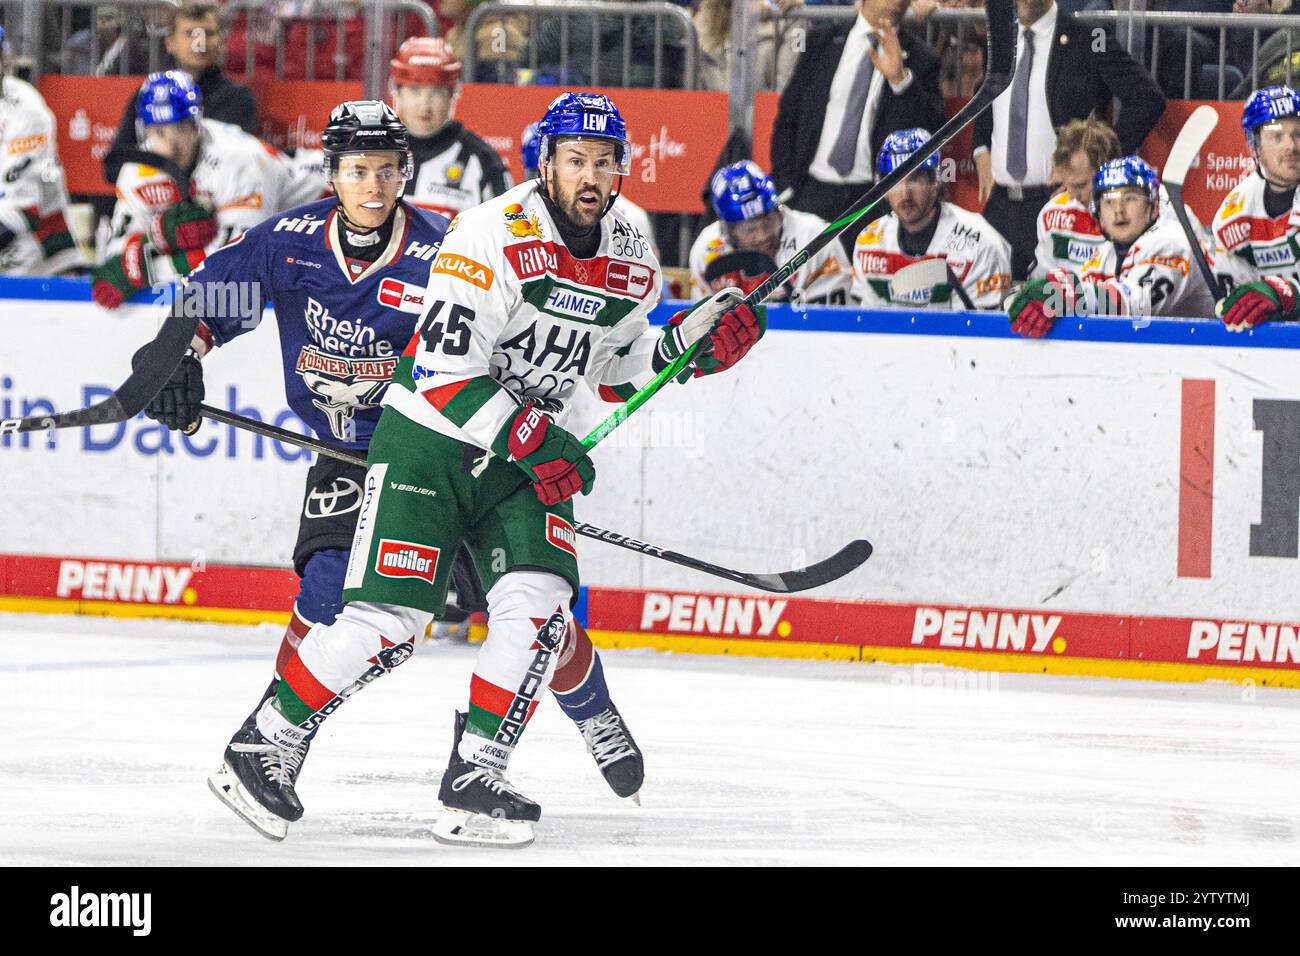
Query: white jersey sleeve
x,y
27,154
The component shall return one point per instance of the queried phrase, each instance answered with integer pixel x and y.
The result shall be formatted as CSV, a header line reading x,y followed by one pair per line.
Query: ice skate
x,y
256,779
611,745
480,806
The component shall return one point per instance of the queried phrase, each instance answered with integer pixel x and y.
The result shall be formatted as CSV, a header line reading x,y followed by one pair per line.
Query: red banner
x,y
677,135
87,109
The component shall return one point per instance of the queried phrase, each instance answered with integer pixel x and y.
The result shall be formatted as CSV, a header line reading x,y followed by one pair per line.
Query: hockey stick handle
x,y
1001,53
1198,254
781,582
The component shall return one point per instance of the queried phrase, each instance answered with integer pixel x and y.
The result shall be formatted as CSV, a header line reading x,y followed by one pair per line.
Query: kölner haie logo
x,y
74,909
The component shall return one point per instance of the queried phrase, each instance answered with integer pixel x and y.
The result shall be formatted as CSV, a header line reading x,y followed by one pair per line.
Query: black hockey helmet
x,y
365,126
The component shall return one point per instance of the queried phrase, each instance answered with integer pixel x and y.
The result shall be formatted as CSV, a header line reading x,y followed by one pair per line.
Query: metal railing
x,y
558,17
60,36
1196,27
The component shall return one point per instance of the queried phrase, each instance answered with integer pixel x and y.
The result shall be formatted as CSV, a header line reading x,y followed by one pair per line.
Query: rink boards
x,y
1121,498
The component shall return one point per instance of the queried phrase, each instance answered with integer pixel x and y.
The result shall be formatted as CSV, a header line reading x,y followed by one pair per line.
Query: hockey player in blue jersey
x,y
346,277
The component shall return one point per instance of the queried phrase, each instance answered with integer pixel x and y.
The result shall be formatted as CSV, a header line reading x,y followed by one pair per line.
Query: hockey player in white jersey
x,y
530,295
34,235
1257,226
1068,233
924,226
235,182
454,169
1144,266
755,234
637,218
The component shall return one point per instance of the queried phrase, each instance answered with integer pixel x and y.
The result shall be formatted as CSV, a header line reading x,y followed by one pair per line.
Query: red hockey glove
x,y
118,278
1253,303
1038,302
553,458
182,226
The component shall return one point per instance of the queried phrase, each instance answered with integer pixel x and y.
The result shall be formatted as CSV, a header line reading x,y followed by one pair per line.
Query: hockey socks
x,y
579,682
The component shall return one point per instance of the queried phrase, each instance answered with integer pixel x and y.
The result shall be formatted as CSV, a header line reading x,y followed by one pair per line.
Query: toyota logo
x,y
343,495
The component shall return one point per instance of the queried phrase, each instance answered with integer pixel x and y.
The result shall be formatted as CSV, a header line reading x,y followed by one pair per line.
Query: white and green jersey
x,y
511,316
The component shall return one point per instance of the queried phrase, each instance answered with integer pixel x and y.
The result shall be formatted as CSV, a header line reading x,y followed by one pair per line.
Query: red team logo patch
x,y
561,534
398,295
629,278
406,559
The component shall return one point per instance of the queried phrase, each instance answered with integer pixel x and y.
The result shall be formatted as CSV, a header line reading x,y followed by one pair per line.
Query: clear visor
x,y
1129,198
617,162
356,169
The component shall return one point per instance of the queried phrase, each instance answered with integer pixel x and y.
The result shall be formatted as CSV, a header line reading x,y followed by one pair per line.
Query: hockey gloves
x,y
554,459
1036,305
1252,303
177,405
183,226
727,327
120,277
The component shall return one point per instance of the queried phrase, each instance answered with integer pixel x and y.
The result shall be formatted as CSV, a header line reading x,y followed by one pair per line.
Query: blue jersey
x,y
343,323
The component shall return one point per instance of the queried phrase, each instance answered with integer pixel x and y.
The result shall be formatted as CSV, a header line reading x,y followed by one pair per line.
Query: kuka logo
x,y
561,534
406,559
467,270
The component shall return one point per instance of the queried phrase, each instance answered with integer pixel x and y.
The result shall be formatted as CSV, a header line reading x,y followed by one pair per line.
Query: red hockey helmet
x,y
422,61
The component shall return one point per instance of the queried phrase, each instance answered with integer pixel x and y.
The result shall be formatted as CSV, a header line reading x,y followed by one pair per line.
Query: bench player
x,y
1144,266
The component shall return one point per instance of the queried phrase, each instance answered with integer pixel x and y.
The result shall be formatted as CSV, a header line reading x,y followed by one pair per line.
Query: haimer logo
x,y
74,909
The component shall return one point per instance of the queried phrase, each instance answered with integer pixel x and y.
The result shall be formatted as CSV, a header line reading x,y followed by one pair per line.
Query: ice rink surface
x,y
108,729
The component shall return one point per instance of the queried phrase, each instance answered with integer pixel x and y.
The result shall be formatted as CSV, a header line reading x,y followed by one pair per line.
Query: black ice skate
x,y
615,752
257,777
481,808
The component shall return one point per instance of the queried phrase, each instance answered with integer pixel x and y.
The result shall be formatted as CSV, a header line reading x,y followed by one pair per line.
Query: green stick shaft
x,y
642,396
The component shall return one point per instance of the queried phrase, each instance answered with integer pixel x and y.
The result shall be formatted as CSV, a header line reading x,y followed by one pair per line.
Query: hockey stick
x,y
149,375
1186,148
1000,60
836,566
146,380
926,274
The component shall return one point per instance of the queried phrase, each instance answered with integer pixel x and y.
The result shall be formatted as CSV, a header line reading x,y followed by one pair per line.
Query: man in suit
x,y
852,87
1063,72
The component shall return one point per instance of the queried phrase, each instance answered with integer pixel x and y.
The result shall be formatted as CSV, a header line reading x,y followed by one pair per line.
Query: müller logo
x,y
75,909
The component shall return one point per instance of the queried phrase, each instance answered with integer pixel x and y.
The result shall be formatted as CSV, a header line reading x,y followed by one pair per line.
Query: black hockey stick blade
x,y
146,380
1001,64
851,556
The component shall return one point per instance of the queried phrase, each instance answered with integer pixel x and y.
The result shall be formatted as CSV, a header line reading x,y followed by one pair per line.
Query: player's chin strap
x,y
356,229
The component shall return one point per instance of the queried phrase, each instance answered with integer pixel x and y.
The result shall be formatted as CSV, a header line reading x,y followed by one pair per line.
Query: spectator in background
x,y
924,226
196,43
853,85
109,47
754,234
1062,73
1273,51
305,25
961,52
586,69
498,46
777,45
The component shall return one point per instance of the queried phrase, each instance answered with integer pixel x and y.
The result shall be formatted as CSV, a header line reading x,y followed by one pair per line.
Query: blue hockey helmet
x,y
897,147
1266,105
168,97
529,146
584,116
1125,171
742,191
